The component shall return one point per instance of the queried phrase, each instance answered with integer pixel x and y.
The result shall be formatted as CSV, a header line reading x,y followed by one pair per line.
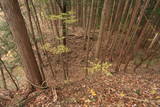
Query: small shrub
x,y
97,66
60,49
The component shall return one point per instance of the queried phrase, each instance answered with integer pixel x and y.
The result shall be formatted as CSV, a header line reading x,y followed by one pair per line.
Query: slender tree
x,y
3,78
10,75
34,39
102,27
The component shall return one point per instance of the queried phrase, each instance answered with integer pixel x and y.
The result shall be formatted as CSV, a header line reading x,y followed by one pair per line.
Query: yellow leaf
x,y
122,94
153,91
93,93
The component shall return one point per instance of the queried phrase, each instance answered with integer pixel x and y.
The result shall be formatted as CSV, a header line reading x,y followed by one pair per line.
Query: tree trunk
x,y
17,25
64,33
10,75
34,40
3,78
101,32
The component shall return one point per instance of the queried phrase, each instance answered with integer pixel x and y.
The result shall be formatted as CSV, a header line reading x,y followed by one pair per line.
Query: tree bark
x,y
17,25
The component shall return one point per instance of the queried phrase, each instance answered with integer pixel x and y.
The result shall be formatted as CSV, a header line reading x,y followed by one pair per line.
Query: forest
x,y
79,53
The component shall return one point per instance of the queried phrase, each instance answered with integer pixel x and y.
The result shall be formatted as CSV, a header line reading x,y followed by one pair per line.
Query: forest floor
x,y
141,89
121,89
